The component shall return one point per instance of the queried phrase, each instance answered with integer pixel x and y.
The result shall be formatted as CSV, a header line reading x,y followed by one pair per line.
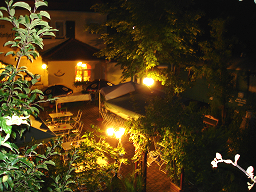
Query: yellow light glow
x,y
148,81
83,65
119,133
79,64
78,78
101,161
44,66
110,131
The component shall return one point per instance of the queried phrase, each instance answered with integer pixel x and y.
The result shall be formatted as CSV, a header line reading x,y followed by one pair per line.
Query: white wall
x,y
99,70
63,72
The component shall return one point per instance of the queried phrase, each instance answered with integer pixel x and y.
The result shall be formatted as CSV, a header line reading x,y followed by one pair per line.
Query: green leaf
x,y
68,189
10,3
33,16
57,179
9,43
22,5
2,157
45,14
1,187
34,109
37,91
27,19
34,23
10,182
44,23
49,34
5,19
50,162
4,9
27,90
7,144
34,81
25,161
12,12
10,53
41,156
40,3
7,128
42,166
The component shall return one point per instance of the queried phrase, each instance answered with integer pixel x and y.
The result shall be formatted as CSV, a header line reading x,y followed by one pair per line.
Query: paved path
x,y
157,181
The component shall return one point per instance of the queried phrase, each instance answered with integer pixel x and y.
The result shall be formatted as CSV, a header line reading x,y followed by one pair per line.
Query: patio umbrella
x,y
38,132
57,90
121,89
96,85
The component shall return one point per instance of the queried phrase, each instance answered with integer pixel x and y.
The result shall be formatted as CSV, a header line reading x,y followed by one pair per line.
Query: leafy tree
x,y
144,34
217,56
176,132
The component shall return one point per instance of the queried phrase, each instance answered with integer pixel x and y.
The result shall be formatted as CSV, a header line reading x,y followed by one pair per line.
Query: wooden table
x,y
68,145
58,115
60,128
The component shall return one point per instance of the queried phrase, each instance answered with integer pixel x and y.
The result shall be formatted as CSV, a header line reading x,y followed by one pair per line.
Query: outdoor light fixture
x,y
118,134
111,131
148,81
44,66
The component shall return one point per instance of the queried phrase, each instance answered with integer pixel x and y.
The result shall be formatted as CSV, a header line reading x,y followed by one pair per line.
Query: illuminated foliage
x,y
143,34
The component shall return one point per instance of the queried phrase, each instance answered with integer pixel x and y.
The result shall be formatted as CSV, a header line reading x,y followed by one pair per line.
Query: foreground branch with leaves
x,y
24,170
249,171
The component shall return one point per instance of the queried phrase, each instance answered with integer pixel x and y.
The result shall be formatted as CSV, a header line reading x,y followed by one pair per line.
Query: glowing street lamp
x,y
44,66
110,131
148,81
118,134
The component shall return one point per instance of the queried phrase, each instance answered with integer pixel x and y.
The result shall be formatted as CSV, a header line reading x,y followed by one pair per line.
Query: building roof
x,y
70,50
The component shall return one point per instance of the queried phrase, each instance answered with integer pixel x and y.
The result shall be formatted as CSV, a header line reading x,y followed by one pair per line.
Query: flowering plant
x,y
248,172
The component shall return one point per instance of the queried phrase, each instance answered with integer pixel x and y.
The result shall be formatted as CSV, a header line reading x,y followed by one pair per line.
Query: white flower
x,y
249,171
214,164
228,161
236,158
250,185
16,120
218,156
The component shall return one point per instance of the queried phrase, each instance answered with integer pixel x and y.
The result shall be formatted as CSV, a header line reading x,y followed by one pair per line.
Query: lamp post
x,y
118,135
148,81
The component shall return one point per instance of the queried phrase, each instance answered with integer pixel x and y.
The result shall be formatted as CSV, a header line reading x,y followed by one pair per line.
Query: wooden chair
x,y
78,116
160,160
77,127
152,156
75,134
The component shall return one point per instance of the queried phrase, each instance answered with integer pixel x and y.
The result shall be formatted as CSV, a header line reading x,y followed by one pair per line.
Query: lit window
x,y
83,72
